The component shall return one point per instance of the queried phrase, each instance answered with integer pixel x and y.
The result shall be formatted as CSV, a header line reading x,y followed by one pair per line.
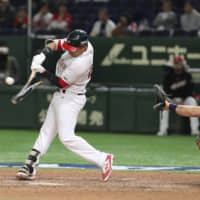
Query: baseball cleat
x,y
24,174
107,168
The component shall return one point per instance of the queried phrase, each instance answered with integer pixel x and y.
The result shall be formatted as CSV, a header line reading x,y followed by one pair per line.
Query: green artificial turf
x,y
129,149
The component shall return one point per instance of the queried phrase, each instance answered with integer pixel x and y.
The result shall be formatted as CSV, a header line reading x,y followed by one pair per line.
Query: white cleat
x,y
107,168
24,174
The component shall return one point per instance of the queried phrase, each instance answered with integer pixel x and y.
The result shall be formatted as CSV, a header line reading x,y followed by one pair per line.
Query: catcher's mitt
x,y
161,98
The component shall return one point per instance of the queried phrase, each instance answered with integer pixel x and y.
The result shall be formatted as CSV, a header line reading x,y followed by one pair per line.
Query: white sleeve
x,y
95,29
59,44
48,17
36,18
110,28
112,25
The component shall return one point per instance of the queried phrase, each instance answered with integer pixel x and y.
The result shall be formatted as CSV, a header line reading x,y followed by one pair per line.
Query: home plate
x,y
45,183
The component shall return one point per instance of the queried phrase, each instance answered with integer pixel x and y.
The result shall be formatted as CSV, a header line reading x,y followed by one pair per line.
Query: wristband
x,y
172,107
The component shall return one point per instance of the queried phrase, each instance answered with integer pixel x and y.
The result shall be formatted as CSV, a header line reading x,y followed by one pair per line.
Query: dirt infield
x,y
87,185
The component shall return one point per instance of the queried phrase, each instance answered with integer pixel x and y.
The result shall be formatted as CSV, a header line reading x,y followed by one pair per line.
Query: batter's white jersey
x,y
76,71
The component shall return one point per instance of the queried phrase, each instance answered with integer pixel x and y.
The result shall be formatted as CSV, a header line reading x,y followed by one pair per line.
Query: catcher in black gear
x,y
163,103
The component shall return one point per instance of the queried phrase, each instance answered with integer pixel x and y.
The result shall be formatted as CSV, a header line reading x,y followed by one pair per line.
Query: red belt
x,y
64,91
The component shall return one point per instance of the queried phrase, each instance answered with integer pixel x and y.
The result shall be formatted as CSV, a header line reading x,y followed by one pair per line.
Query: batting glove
x,y
37,68
39,58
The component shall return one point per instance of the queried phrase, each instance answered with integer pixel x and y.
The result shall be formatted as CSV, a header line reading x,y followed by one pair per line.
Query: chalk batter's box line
x,y
115,167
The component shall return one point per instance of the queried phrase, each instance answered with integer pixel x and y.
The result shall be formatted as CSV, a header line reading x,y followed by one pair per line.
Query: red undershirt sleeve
x,y
59,48
62,83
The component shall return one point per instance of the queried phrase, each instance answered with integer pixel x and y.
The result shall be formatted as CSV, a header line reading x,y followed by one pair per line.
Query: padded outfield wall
x,y
107,109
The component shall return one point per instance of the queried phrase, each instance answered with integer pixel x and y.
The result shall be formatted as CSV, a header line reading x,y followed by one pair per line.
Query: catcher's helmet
x,y
76,39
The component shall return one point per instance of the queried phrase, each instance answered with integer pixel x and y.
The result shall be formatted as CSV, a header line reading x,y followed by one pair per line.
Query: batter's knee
x,y
190,101
66,140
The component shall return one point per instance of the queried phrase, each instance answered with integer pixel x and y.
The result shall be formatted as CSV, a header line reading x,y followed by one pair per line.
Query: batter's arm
x,y
41,57
55,80
184,110
52,45
55,45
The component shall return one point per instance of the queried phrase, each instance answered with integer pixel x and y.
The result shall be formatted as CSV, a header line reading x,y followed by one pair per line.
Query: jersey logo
x,y
62,64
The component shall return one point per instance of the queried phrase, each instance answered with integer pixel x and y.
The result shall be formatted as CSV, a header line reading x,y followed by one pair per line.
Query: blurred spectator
x,y
144,25
104,26
42,19
178,84
190,20
9,67
125,26
7,14
61,20
21,20
166,19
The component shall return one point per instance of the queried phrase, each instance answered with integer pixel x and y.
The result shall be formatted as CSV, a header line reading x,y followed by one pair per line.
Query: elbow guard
x,y
46,51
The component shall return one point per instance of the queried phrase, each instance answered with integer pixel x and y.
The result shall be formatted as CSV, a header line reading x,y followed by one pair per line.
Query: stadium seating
x,y
84,12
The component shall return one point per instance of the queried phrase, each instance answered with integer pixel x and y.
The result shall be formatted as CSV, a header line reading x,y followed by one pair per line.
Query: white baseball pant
x,y
61,118
194,121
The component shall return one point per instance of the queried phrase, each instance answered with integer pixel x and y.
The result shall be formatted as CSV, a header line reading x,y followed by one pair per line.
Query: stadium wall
x,y
107,109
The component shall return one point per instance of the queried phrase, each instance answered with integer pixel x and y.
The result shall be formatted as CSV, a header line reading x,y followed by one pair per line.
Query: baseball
x,y
9,80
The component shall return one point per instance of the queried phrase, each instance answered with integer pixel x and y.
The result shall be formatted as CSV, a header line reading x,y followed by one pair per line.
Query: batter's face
x,y
78,52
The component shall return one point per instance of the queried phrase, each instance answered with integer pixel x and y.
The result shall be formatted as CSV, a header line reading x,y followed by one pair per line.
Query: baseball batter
x,y
73,72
